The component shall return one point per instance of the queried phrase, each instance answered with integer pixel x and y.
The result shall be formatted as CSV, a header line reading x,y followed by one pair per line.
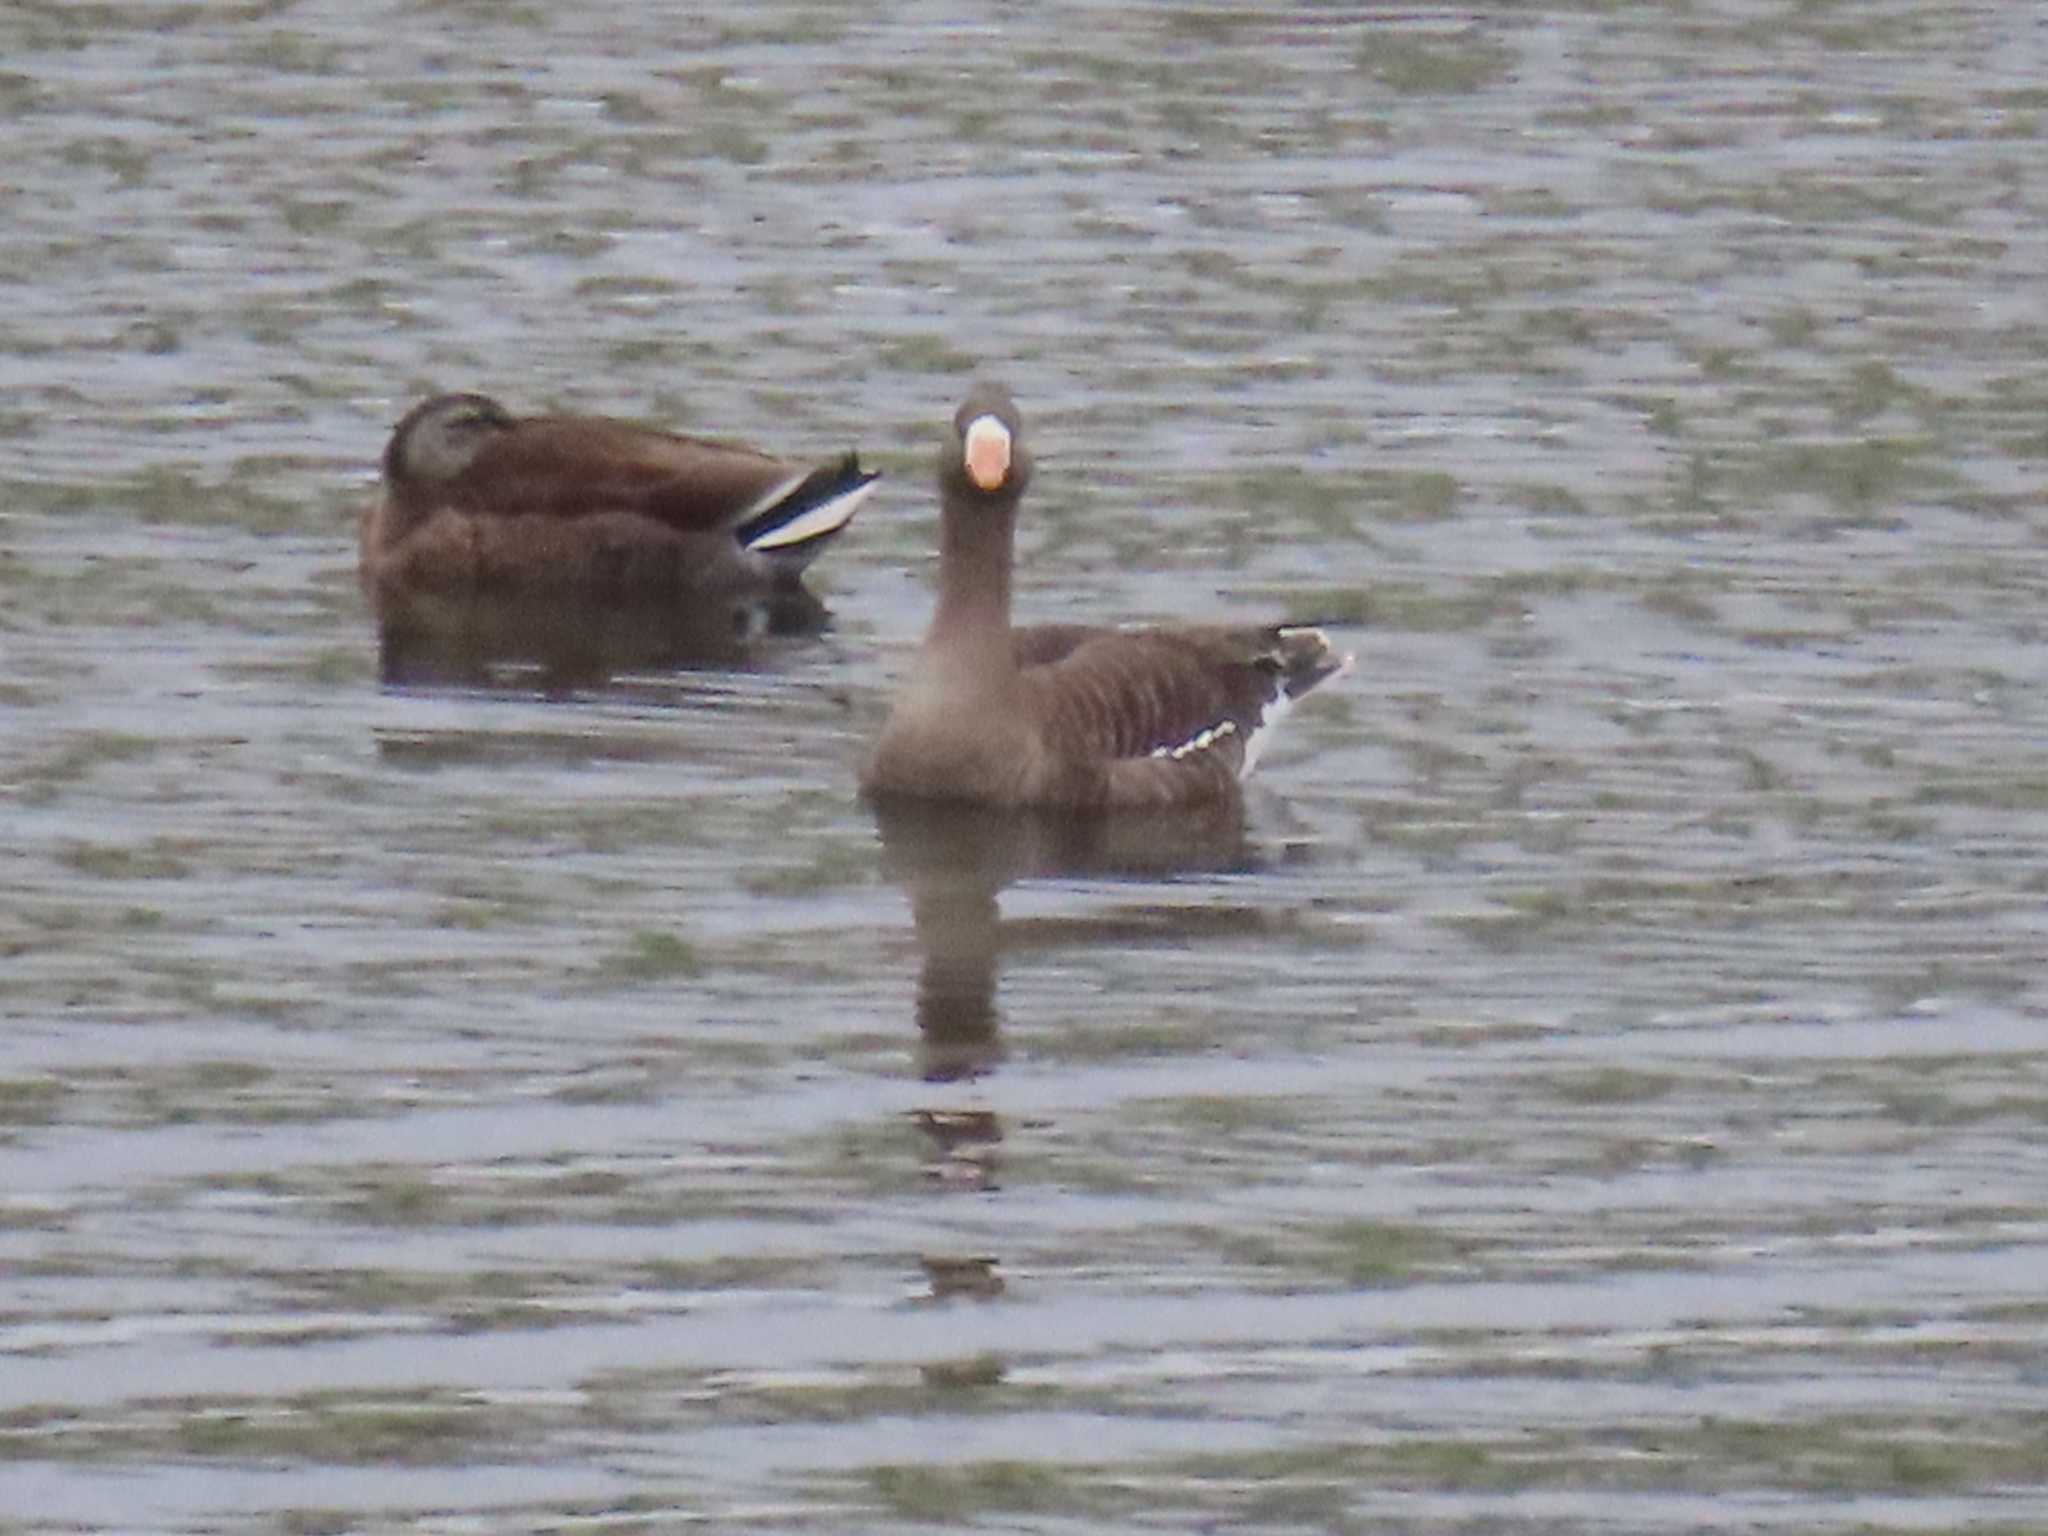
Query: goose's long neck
x,y
971,629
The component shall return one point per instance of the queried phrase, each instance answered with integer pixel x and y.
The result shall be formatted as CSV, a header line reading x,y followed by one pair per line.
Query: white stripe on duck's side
x,y
825,518
771,496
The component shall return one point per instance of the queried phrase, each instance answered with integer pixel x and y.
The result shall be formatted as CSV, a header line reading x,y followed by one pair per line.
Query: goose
x,y
1070,715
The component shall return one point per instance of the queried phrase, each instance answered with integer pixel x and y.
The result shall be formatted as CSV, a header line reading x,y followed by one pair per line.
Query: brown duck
x,y
477,498
1069,715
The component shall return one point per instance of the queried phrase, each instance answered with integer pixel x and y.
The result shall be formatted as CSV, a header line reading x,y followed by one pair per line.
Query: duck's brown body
x,y
1069,715
475,498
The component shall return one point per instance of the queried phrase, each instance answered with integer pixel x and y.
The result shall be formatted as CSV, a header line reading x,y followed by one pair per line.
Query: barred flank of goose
x,y
476,498
1070,715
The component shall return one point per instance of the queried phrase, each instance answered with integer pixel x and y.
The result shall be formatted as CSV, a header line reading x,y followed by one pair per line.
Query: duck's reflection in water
x,y
556,643
954,860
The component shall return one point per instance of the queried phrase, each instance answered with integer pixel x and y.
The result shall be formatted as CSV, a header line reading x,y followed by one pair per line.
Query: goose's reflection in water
x,y
556,643
954,860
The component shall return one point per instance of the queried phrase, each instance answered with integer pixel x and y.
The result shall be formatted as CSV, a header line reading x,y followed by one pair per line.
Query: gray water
x,y
1601,1089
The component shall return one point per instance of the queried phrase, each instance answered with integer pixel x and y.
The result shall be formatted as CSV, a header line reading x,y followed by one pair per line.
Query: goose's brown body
x,y
1069,715
476,498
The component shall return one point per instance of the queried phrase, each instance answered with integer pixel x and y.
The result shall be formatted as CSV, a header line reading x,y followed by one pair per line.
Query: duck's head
x,y
440,438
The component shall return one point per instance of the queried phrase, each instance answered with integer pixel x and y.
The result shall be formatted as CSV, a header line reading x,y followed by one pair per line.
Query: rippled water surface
x,y
1600,1088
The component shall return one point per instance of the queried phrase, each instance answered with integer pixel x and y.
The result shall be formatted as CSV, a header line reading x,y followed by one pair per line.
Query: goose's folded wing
x,y
1040,645
1177,694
